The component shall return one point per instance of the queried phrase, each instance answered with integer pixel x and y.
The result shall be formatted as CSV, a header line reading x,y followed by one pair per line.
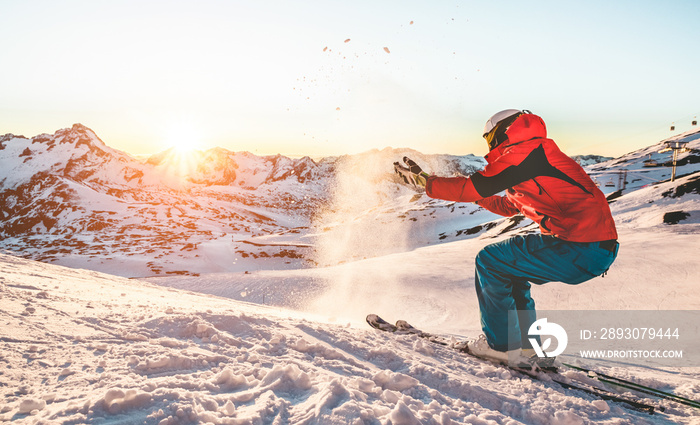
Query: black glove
x,y
412,174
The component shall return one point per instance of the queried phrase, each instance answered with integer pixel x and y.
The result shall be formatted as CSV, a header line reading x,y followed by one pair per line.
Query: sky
x,y
332,77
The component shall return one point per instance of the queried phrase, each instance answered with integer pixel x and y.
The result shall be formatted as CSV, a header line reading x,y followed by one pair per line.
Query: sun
x,y
184,144
183,137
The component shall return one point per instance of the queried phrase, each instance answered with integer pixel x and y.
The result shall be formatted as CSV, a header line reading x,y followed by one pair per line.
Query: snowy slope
x,y
83,347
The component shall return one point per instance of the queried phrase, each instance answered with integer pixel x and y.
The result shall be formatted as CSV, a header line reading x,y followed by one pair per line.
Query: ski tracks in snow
x,y
81,347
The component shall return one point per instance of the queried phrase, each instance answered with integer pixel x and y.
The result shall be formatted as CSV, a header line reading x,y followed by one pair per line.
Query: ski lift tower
x,y
677,147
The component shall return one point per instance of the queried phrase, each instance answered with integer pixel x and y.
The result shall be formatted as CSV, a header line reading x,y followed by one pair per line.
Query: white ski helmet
x,y
496,126
497,118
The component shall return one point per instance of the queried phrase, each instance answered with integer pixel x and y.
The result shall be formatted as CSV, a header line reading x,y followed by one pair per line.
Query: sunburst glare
x,y
184,142
183,137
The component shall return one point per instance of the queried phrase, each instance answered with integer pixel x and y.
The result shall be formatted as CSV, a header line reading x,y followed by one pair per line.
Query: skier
x,y
578,239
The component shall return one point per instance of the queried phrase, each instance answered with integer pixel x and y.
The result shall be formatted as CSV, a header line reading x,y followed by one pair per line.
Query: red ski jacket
x,y
540,181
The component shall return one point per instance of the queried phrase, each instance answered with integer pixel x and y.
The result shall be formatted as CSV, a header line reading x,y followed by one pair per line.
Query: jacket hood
x,y
526,127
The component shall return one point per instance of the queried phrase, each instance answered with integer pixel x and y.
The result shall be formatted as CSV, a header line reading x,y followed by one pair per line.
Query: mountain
x,y
71,199
219,167
586,160
69,196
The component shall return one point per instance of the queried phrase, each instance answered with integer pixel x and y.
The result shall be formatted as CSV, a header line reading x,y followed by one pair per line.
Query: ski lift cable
x,y
686,117
611,171
630,173
617,172
643,177
646,131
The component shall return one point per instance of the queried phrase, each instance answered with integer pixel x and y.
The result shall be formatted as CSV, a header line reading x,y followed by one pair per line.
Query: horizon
x,y
182,150
292,156
325,79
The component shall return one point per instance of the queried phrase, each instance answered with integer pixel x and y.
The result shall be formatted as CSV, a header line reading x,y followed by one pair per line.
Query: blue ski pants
x,y
506,270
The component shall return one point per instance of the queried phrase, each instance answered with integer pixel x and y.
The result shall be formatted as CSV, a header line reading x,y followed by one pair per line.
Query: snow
x,y
250,344
81,346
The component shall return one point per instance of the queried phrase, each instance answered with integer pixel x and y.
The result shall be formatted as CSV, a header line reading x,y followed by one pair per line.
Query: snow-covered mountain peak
x,y
75,141
71,198
75,153
221,167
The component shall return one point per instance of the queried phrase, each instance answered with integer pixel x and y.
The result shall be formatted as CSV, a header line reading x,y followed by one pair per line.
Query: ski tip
x,y
378,323
403,324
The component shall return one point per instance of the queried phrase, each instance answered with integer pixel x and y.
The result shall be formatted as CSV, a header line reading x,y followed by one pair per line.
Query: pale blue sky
x,y
279,77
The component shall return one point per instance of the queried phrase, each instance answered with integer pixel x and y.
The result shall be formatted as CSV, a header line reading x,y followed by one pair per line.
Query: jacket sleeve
x,y
459,189
499,205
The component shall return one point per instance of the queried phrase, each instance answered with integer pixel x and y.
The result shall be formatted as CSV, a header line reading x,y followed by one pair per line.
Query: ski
x,y
633,386
402,327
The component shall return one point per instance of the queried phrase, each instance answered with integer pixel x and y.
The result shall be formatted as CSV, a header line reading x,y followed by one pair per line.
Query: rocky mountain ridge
x,y
70,197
